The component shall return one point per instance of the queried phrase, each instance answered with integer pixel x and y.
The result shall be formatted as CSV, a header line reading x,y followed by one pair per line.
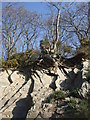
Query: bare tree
x,y
69,24
52,25
57,27
30,32
11,28
18,26
74,19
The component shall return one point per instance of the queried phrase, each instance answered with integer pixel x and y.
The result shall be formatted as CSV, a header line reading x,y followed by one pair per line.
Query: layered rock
x,y
25,98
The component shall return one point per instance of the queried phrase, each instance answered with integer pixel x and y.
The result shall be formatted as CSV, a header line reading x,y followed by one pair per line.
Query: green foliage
x,y
72,104
67,48
44,44
10,63
1,62
85,41
85,47
21,59
55,95
58,95
79,109
83,109
75,92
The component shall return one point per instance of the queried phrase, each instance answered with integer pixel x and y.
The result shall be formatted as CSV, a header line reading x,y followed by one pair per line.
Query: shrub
x,y
82,109
58,95
44,44
75,93
10,63
21,59
72,103
79,109
16,56
55,95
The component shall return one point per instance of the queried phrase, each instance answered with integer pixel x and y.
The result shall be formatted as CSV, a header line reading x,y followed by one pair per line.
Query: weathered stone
x,y
62,109
59,111
18,91
84,89
67,99
86,65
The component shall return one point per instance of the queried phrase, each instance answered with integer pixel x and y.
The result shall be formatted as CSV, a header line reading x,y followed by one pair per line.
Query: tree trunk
x,y
57,31
27,46
23,48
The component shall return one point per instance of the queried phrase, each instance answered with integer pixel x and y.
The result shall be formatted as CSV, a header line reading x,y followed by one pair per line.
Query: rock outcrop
x,y
24,98
15,96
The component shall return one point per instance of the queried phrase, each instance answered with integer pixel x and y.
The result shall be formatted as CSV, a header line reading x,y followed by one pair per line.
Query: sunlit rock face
x,y
23,98
77,80
15,96
84,89
86,65
8,90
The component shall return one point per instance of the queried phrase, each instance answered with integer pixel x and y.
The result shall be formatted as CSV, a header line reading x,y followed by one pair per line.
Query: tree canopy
x,y
64,31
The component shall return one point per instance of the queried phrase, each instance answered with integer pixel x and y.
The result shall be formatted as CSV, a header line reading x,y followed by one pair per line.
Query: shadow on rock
x,y
24,105
75,82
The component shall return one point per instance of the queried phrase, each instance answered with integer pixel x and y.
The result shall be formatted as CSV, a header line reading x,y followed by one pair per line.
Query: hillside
x,y
32,98
45,60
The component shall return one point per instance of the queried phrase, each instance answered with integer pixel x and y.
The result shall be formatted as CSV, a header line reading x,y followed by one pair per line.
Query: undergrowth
x,y
20,59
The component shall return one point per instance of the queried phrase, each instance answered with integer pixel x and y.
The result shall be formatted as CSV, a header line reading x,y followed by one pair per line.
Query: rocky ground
x,y
26,99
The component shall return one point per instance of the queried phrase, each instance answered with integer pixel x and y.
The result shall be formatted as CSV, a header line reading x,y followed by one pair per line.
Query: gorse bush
x,y
10,63
75,93
44,44
79,109
72,104
58,95
85,46
83,108
21,59
85,41
55,95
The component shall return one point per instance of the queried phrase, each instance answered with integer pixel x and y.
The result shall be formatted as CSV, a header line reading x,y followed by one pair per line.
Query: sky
x,y
40,7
